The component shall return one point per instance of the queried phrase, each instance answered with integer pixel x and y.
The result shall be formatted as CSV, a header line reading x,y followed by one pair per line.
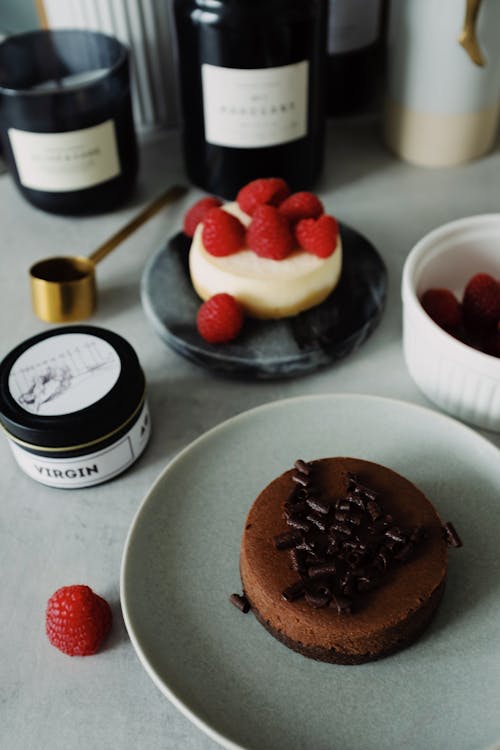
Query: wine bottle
x,y
252,90
352,63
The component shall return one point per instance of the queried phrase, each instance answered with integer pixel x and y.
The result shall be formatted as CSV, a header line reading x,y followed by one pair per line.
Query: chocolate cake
x,y
343,560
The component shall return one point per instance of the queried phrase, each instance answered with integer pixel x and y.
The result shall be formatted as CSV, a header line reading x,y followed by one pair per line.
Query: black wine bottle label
x,y
352,25
254,108
61,162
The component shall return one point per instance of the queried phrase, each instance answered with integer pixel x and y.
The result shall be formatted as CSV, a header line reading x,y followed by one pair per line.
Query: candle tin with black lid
x,y
73,405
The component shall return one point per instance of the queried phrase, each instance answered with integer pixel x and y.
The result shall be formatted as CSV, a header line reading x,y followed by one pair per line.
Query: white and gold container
x,y
443,80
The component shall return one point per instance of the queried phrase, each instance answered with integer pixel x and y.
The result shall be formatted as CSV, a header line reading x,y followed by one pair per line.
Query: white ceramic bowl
x,y
458,378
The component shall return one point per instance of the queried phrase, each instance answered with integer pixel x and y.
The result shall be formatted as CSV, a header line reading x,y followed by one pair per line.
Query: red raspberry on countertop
x,y
481,301
222,233
269,234
265,190
197,213
219,319
77,620
318,236
443,307
301,206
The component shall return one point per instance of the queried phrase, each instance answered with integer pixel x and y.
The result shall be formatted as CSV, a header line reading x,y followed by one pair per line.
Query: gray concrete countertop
x,y
50,538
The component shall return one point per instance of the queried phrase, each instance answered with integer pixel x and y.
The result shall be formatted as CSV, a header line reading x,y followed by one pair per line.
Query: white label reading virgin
x,y
64,374
94,468
60,162
255,108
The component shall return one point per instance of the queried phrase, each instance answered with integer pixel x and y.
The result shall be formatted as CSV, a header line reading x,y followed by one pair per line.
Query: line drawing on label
x,y
46,386
35,382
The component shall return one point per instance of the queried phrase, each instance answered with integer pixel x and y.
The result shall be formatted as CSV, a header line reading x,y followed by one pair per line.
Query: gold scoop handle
x,y
169,196
468,37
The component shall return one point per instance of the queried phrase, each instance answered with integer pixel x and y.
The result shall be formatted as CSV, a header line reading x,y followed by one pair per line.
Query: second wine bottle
x,y
252,89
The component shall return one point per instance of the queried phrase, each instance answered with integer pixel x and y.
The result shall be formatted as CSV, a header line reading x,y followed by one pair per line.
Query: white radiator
x,y
147,28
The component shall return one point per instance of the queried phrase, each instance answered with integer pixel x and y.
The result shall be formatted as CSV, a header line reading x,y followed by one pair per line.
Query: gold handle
x,y
42,14
169,196
468,38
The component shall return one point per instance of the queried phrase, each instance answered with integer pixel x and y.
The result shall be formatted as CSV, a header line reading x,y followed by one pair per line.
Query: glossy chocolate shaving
x,y
301,479
318,505
318,595
298,561
287,540
317,520
295,591
342,548
344,605
302,467
451,536
240,602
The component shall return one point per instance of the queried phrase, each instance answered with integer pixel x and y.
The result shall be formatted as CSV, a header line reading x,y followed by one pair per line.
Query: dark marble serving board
x,y
269,348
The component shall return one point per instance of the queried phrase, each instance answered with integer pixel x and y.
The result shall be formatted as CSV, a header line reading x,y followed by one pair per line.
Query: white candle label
x,y
64,374
60,162
84,471
352,24
255,108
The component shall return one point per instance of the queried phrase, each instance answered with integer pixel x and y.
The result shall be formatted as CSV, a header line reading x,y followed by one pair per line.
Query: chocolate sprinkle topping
x,y
451,536
342,548
294,591
287,540
301,479
342,603
302,467
240,602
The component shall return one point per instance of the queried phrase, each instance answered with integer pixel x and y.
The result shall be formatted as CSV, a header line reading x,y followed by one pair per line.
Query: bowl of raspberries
x,y
451,318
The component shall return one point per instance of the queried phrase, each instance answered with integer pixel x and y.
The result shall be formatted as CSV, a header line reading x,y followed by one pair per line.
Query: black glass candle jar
x,y
66,119
252,86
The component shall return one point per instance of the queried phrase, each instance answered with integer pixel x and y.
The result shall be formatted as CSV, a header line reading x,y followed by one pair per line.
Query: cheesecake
x,y
265,288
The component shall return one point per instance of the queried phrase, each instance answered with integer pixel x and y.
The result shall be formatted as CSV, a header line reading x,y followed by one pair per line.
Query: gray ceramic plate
x,y
235,681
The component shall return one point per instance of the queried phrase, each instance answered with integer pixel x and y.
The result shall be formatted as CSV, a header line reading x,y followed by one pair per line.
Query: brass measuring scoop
x,y
63,288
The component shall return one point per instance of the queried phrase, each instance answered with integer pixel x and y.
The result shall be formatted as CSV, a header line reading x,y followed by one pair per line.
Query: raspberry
x,y
197,213
266,190
318,236
222,233
481,301
219,319
301,206
492,343
443,307
269,234
77,620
